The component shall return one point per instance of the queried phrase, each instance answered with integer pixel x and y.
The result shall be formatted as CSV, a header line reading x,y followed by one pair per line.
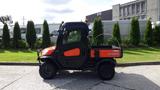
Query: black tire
x,y
106,71
47,70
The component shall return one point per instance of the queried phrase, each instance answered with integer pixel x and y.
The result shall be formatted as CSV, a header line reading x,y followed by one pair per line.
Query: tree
x,y
16,35
98,37
46,36
134,32
156,35
31,34
116,32
6,36
148,34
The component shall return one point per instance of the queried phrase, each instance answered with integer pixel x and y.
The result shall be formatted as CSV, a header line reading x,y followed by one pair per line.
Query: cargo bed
x,y
105,52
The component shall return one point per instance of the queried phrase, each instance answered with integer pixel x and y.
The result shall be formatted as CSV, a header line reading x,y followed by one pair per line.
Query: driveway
x,y
126,78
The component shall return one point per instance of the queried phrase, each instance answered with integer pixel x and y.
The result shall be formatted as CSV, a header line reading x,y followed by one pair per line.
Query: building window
x,y
124,12
128,11
120,13
133,9
143,7
137,8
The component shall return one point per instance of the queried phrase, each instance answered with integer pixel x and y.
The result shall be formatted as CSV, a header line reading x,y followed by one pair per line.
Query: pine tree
x,y
6,37
16,35
148,34
134,32
31,34
116,32
46,36
156,35
98,37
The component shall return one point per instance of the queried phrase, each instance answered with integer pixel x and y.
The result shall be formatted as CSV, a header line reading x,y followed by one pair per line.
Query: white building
x,y
142,9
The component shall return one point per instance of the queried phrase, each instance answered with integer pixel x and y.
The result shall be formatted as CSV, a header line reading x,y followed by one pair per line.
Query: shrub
x,y
0,44
134,32
16,35
112,41
6,37
148,34
98,37
22,44
116,32
38,43
46,41
126,43
156,35
31,34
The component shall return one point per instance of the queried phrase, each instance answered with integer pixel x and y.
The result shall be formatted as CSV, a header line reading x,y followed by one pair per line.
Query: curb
x,y
118,65
19,64
138,64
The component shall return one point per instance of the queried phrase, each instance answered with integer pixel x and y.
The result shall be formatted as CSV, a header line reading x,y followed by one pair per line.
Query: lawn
x,y
140,55
17,56
130,55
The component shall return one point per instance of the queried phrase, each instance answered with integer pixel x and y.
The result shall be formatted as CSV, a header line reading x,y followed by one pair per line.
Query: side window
x,y
72,36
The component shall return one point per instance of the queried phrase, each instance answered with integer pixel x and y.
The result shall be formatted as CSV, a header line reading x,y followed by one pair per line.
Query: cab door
x,y
73,51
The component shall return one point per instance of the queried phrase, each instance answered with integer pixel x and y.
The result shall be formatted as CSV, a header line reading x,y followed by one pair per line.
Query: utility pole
x,y
23,20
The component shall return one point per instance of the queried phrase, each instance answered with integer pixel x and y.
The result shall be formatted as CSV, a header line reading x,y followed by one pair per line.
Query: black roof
x,y
75,25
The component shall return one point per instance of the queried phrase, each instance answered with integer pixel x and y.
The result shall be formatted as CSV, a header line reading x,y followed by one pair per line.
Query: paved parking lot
x,y
126,78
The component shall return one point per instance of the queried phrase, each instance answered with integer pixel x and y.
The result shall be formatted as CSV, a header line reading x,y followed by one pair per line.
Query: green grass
x,y
140,55
17,56
130,55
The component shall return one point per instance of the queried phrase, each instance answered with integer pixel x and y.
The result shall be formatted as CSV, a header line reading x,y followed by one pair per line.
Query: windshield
x,y
71,36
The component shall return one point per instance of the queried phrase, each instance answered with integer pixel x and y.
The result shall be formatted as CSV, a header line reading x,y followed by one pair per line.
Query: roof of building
x,y
105,15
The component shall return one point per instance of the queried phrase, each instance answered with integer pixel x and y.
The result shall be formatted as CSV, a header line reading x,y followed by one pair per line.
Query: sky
x,y
54,11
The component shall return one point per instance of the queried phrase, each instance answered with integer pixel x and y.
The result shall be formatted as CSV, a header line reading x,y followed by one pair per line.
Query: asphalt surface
x,y
126,78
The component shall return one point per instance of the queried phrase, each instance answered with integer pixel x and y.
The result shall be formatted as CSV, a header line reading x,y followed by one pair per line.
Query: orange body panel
x,y
113,53
72,52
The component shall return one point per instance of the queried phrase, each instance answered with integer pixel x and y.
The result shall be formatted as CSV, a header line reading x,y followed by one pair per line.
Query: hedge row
x,y
151,36
31,39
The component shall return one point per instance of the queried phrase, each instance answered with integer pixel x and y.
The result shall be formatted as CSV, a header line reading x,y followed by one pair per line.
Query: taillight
x,y
110,53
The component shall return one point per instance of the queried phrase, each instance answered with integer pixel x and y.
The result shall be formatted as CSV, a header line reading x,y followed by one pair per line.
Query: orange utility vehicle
x,y
74,52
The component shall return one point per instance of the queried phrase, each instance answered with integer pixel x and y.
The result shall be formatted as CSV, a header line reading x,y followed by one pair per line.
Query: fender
x,y
50,59
111,61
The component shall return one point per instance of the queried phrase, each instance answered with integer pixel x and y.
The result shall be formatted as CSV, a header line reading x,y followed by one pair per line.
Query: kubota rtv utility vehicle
x,y
73,52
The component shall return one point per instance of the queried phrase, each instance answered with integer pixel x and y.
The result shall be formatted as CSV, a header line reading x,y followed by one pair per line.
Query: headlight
x,y
46,52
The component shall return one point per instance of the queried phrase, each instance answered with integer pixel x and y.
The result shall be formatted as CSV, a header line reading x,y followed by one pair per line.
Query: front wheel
x,y
106,71
47,70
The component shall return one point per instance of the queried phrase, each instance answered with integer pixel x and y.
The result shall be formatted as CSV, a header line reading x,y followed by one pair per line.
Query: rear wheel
x,y
106,71
47,70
